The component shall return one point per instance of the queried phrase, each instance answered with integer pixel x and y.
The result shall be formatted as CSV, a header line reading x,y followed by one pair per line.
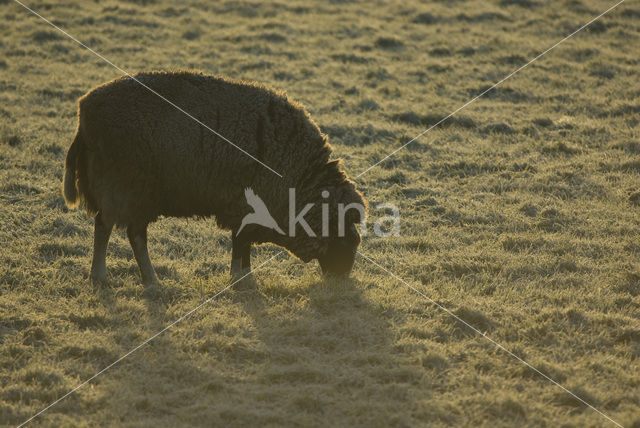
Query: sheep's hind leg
x,y
138,239
101,234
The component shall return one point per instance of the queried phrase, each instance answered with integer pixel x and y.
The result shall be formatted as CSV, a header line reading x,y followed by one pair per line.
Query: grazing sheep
x,y
135,158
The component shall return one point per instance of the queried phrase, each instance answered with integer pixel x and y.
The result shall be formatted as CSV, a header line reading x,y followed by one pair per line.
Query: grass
x,y
520,215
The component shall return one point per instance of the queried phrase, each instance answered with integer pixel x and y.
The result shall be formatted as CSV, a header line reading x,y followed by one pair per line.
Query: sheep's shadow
x,y
333,360
314,354
154,383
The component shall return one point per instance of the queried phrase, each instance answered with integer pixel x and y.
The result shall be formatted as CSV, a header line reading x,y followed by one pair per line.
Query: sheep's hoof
x,y
98,281
246,285
151,291
243,280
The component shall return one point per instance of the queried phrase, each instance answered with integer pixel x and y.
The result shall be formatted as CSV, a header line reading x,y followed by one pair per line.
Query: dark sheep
x,y
136,157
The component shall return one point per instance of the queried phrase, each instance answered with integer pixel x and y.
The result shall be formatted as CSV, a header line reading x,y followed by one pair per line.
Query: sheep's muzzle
x,y
340,255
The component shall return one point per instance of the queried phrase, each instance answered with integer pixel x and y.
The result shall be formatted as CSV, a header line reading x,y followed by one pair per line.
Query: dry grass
x,y
521,215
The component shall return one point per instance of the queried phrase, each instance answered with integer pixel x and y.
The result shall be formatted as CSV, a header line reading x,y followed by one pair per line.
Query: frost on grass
x,y
519,214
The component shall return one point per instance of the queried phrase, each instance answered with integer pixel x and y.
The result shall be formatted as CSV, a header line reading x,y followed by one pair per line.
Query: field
x,y
520,215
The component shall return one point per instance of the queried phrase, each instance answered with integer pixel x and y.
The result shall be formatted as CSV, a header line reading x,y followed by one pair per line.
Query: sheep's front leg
x,y
101,235
138,239
240,255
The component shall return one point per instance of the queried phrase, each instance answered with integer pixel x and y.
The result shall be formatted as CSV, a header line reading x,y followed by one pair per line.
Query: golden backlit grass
x,y
521,215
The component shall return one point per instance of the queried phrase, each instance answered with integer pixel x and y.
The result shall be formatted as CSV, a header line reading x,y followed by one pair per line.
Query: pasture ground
x,y
521,215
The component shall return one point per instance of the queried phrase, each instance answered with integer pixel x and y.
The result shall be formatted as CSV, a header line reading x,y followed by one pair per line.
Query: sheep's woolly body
x,y
136,157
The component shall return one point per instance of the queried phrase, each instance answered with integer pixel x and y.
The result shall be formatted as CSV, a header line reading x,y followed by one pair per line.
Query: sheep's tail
x,y
70,185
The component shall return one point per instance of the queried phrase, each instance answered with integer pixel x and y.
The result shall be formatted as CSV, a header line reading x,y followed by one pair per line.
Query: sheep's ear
x,y
335,174
334,164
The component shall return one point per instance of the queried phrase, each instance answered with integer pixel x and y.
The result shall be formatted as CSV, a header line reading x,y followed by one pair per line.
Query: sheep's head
x,y
335,207
338,255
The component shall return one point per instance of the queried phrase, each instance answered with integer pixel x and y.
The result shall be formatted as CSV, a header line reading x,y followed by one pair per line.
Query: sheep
x,y
136,157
